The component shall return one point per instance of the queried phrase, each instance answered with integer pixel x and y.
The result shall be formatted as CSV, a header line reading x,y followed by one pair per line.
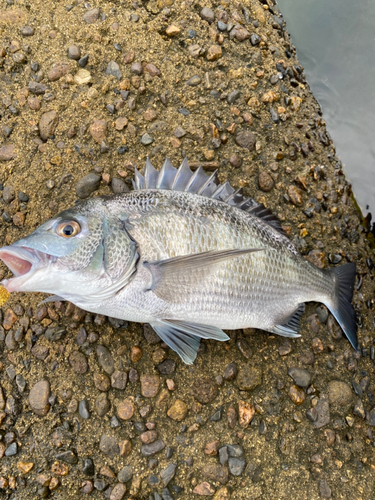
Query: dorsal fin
x,y
183,179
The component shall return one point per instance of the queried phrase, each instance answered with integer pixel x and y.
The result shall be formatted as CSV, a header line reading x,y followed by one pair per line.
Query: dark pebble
x,y
167,367
87,185
125,474
68,457
234,450
83,409
88,467
233,96
82,62
324,489
37,88
301,377
150,334
168,474
148,450
100,484
169,452
204,390
217,415
192,33
216,472
105,359
246,139
184,111
236,466
255,39
118,186
109,446
223,455
136,68
11,450
102,404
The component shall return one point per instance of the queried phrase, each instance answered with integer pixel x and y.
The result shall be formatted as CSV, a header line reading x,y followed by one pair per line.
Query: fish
x,y
188,255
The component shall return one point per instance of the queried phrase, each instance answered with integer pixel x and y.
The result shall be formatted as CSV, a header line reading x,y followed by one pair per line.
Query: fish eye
x,y
68,229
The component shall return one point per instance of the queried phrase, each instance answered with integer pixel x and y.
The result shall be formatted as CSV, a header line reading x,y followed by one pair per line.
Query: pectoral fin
x,y
184,337
188,269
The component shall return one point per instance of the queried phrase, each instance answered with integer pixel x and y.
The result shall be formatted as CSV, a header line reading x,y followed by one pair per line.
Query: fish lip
x,y
22,262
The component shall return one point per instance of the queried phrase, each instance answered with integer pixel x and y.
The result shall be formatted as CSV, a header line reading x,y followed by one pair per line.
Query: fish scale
x,y
184,253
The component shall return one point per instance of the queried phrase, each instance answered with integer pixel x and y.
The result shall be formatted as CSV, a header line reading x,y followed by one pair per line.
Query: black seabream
x,y
185,254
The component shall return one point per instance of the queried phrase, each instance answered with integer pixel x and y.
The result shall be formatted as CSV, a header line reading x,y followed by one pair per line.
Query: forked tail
x,y
341,306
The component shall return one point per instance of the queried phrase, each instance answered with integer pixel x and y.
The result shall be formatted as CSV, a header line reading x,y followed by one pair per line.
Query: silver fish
x,y
183,253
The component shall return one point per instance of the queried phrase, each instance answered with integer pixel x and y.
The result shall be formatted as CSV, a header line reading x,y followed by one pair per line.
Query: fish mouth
x,y
22,262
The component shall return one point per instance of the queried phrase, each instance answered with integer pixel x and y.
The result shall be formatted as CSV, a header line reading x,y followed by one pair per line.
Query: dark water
x,y
335,42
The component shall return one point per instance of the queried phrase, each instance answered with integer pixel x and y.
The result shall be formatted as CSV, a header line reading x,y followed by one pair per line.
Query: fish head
x,y
83,254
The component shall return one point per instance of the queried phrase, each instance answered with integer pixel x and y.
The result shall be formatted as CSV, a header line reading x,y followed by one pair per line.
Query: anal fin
x,y
184,337
292,326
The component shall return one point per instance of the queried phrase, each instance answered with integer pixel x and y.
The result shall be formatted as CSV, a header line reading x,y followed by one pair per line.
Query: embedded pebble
x,y
150,385
7,152
339,393
177,411
47,124
78,362
39,396
74,52
105,359
91,16
246,139
265,182
87,185
204,390
125,409
109,446
249,377
148,450
167,474
301,377
114,69
204,489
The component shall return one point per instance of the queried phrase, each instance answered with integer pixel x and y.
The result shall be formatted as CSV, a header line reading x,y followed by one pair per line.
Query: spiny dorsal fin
x,y
183,179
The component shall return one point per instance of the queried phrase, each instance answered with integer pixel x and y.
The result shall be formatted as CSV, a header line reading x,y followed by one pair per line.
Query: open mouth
x,y
22,261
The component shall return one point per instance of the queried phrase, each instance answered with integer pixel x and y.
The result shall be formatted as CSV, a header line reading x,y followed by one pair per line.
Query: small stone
x,y
296,394
88,467
212,448
255,39
214,52
59,70
240,33
204,489
38,398
222,494
25,467
87,185
125,447
301,377
152,70
82,62
246,413
102,382
177,411
118,492
285,348
167,367
74,52
150,115
236,466
11,450
230,372
121,123
118,186
148,450
246,139
207,14
244,348
98,130
136,68
322,416
125,474
78,362
193,82
68,457
295,195
37,88
265,182
102,404
108,445
149,437
249,377
91,16
146,139
83,409
27,30
317,257
324,489
167,474
7,152
119,379
231,417
8,196
340,393
359,409
114,69
204,390
216,472
82,77
317,346
125,409
105,359
172,30
150,385
47,124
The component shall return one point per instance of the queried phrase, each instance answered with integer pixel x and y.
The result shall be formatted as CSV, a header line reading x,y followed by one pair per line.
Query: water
x,y
335,43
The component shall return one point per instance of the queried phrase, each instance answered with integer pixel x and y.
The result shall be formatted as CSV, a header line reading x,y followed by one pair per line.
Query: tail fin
x,y
341,307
